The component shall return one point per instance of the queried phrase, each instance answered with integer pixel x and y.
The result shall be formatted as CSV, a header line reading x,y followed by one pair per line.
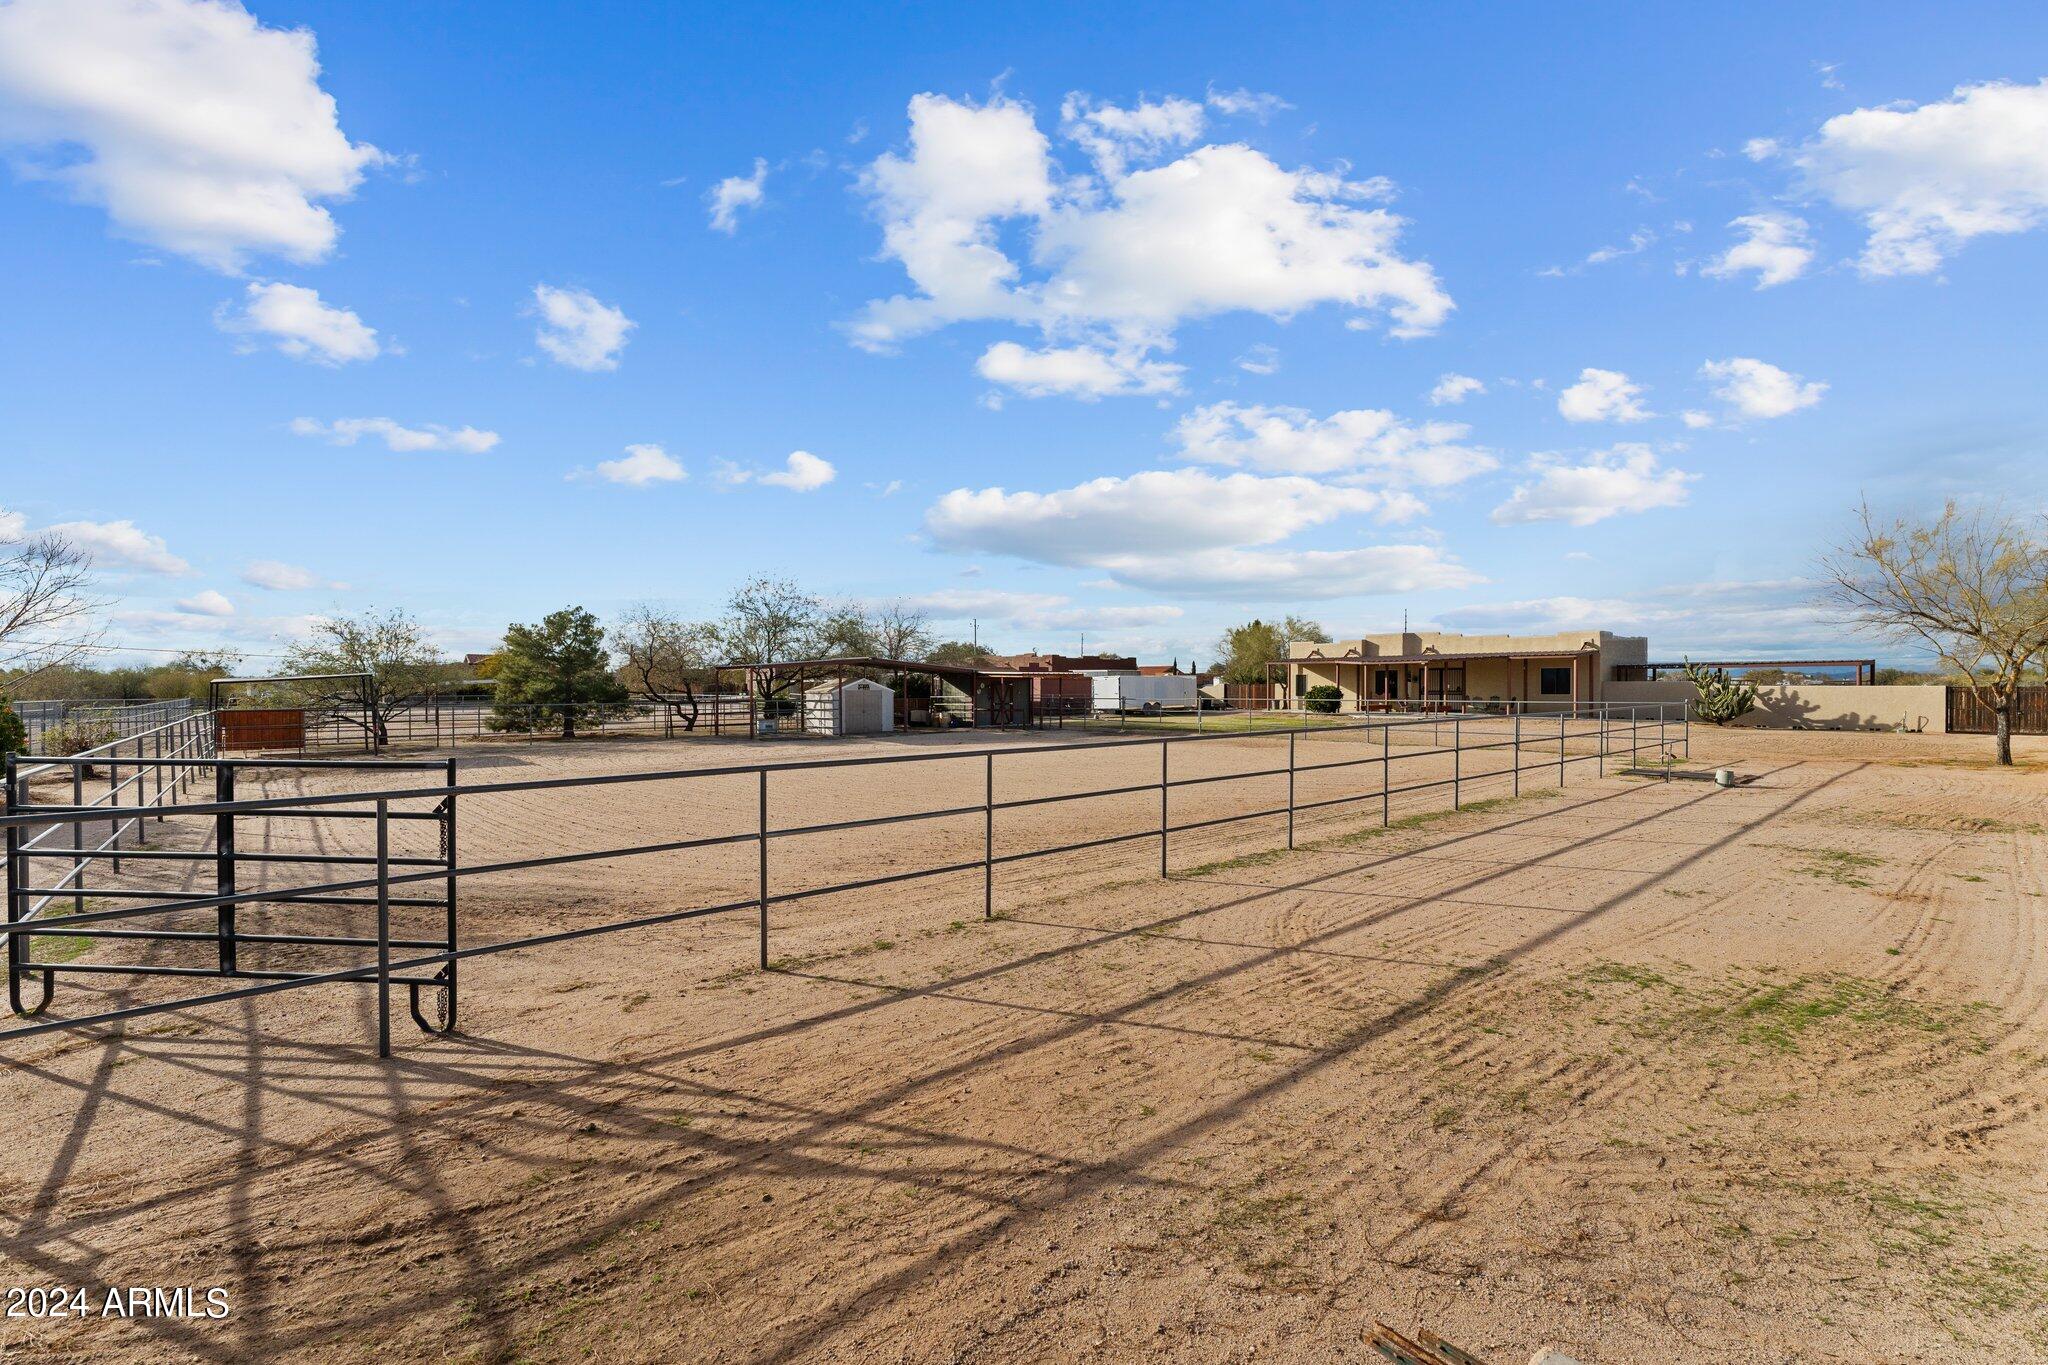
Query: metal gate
x,y
180,901
1968,716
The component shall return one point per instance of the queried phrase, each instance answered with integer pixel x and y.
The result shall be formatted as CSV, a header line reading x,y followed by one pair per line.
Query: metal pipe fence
x,y
381,880
123,718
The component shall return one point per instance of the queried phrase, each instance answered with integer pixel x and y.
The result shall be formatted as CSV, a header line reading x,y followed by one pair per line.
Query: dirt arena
x,y
1648,1070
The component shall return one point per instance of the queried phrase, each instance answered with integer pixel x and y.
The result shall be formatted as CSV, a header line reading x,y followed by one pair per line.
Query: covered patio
x,y
928,696
1418,681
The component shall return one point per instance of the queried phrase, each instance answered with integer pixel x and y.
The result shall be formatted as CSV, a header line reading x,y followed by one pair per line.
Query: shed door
x,y
862,710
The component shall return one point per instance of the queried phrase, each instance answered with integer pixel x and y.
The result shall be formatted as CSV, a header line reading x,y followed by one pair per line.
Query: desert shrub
x,y
1322,697
13,734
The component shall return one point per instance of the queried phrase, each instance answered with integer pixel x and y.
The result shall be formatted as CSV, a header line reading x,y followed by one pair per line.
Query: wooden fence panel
x,y
280,729
1968,716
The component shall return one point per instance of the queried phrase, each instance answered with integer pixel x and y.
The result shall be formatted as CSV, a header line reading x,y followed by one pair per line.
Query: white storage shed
x,y
849,706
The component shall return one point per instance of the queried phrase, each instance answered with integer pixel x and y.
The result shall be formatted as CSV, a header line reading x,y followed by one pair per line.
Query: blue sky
x,y
1498,316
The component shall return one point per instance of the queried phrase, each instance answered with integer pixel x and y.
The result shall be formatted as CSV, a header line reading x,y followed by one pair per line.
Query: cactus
x,y
1720,699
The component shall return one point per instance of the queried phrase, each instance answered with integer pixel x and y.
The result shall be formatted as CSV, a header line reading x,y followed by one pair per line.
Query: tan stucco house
x,y
1436,665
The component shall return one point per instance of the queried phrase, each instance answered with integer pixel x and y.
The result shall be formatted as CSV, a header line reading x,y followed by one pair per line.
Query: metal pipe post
x,y
763,883
1515,748
1290,789
224,861
383,928
988,838
1386,775
1165,747
78,837
1457,748
448,852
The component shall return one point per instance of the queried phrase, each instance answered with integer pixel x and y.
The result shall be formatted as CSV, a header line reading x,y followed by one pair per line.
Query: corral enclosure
x,y
1624,1064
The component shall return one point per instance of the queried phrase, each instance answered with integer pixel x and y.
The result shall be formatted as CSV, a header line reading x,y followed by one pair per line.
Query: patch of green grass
x,y
59,947
1758,1010
1445,1116
1837,865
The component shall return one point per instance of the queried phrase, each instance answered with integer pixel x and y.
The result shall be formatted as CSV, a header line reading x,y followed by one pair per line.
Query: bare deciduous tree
x,y
900,631
1971,585
45,604
667,658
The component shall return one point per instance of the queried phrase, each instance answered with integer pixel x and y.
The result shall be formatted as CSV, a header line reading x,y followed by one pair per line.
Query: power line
x,y
146,649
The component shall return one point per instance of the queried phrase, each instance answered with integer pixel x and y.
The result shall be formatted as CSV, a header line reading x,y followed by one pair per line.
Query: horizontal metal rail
x,y
1468,736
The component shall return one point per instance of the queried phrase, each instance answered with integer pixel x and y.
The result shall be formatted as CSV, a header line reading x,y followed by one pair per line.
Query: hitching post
x,y
383,928
988,837
763,884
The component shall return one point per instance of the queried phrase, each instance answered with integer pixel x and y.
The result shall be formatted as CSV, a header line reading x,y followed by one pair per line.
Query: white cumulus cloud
x,y
1777,246
193,126
295,321
1603,396
1120,258
276,576
1360,445
579,331
1083,372
801,472
1626,478
1192,531
1755,388
1927,178
122,542
1454,388
348,430
725,199
641,466
1113,137
207,603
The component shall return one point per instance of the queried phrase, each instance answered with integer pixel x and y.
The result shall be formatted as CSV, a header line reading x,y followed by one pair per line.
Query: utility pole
x,y
974,625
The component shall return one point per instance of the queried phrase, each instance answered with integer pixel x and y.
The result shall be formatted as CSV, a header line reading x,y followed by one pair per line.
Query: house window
x,y
1556,682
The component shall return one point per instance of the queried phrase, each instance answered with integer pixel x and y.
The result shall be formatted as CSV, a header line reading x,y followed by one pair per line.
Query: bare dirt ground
x,y
1649,1070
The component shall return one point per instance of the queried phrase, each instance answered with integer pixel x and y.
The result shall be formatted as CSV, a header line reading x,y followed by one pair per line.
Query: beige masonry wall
x,y
1817,707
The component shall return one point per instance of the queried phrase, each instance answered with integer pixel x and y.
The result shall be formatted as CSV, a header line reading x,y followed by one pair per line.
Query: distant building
x,y
1034,662
1436,665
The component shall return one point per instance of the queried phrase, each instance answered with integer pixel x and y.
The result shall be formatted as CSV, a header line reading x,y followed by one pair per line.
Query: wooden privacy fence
x,y
1968,716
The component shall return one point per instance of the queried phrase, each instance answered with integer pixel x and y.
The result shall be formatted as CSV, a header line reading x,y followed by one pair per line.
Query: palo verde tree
x,y
389,646
666,658
559,664
1971,586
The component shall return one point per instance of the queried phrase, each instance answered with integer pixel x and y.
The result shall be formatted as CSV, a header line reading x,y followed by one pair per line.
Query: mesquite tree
x,y
1971,586
667,658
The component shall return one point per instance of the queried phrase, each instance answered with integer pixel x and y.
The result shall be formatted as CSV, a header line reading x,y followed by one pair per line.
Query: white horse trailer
x,y
1145,692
